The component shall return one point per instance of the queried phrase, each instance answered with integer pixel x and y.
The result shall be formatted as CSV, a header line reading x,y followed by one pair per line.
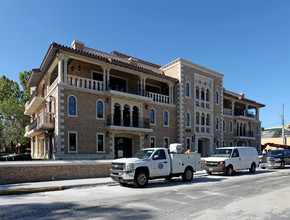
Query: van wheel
x,y
282,165
229,171
209,173
253,168
263,167
141,179
187,175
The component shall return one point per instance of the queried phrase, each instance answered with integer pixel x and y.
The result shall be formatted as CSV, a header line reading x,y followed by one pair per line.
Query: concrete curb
x,y
47,189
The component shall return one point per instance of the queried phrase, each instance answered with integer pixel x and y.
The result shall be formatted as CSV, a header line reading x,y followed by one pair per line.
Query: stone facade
x,y
87,104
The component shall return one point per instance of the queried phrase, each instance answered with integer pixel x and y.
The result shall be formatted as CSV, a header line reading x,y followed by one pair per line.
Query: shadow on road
x,y
62,210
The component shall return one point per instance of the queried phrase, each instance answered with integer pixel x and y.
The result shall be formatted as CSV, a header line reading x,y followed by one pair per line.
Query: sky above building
x,y
247,41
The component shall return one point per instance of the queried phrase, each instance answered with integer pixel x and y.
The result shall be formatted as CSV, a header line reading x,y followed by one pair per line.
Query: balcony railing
x,y
202,104
244,133
96,85
85,83
45,120
227,111
118,120
244,113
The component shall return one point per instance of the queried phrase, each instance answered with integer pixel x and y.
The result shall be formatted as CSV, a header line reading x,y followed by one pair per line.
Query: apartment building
x,y
88,104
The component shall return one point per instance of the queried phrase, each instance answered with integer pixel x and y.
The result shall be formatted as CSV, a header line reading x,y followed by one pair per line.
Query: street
x,y
263,195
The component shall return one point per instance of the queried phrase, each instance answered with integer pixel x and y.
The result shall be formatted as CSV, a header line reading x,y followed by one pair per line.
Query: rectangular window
x,y
231,143
166,142
152,141
72,141
188,143
100,143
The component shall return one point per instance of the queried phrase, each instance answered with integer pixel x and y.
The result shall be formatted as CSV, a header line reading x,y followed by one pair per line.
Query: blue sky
x,y
247,41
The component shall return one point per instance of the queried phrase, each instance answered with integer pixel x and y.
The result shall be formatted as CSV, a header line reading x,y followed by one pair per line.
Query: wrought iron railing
x,y
119,120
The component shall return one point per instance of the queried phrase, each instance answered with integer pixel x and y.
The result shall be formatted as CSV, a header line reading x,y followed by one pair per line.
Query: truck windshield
x,y
222,153
275,153
144,154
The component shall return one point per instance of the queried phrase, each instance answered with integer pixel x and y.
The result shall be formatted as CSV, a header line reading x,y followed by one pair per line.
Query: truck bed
x,y
180,161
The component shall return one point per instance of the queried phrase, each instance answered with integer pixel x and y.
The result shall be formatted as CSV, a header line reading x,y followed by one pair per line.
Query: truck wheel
x,y
141,179
253,168
187,175
282,165
229,171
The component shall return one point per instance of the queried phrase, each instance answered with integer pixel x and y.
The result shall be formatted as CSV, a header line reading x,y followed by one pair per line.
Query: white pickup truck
x,y
152,163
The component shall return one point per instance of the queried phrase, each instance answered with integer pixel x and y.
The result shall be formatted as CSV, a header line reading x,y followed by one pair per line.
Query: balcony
x,y
228,111
117,122
44,122
244,134
33,104
118,89
202,104
244,114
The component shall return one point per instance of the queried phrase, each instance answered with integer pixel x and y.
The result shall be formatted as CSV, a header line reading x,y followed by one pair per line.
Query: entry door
x,y
123,147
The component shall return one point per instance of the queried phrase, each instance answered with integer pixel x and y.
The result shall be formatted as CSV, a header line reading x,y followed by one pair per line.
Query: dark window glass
x,y
100,142
165,118
72,141
152,116
72,105
100,109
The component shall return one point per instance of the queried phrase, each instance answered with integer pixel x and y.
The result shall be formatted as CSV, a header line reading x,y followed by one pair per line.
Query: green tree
x,y
23,81
12,105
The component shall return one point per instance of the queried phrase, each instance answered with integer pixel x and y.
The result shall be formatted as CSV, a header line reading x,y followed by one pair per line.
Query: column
x,y
104,79
108,79
60,69
65,69
233,107
131,116
257,113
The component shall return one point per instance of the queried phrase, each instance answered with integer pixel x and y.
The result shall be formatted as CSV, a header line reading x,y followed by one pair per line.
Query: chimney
x,y
242,95
78,45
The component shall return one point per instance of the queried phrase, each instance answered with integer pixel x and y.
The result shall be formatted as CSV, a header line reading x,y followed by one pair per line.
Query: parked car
x,y
16,157
276,159
230,159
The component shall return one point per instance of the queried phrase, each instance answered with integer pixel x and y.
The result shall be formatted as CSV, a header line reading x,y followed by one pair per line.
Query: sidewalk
x,y
33,187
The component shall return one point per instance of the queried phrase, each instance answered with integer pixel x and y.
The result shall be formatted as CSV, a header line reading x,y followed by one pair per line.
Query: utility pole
x,y
283,134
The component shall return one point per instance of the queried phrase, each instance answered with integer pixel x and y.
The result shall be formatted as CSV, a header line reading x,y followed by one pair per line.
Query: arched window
x,y
207,120
202,94
217,97
187,119
100,109
152,116
187,90
197,93
202,119
166,118
72,109
207,95
197,118
217,123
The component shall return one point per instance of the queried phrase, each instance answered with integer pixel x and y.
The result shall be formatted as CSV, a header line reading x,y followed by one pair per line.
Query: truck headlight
x,y
129,167
221,164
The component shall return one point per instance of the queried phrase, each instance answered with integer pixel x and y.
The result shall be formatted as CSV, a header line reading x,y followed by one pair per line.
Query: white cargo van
x,y
230,159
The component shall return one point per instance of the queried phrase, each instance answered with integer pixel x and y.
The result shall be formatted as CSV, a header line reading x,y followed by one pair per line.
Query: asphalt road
x,y
263,195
